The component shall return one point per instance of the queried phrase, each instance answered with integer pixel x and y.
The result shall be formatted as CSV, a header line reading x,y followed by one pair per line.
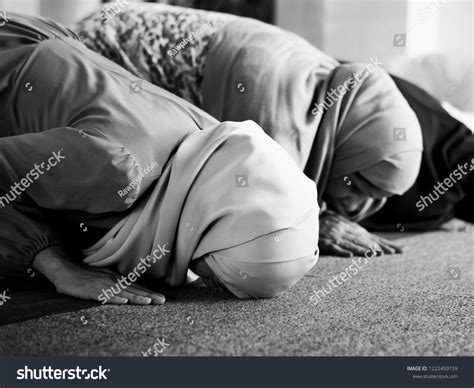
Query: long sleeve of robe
x,y
80,140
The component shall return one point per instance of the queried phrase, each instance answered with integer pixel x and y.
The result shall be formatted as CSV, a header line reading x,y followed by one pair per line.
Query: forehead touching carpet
x,y
416,303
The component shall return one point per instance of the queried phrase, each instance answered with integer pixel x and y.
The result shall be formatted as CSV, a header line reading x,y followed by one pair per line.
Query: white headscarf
x,y
232,196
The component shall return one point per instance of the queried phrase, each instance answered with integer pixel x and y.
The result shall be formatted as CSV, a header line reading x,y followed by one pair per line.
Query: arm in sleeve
x,y
60,169
24,232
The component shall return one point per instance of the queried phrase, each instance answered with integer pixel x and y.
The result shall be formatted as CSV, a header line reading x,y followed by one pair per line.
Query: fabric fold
x,y
333,119
226,187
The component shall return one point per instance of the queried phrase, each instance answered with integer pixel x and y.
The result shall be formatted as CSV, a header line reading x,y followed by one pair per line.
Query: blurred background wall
x,y
410,37
64,11
357,29
350,29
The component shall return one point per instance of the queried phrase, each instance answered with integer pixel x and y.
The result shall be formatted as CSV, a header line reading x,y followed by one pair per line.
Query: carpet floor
x,y
415,304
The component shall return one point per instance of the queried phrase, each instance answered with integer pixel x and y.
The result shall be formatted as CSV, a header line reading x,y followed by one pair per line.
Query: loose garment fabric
x,y
81,139
165,45
231,196
142,35
145,169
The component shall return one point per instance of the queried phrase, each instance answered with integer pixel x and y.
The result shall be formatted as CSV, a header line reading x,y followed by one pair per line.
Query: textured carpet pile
x,y
416,303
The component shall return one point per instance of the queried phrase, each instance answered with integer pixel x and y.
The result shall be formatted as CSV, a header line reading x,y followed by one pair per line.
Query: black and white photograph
x,y
282,188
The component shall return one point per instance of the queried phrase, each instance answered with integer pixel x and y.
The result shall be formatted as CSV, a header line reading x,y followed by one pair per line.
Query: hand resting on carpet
x,y
86,282
341,237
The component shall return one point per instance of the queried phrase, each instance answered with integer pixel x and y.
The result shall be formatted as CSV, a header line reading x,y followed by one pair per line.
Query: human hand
x,y
341,237
86,282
